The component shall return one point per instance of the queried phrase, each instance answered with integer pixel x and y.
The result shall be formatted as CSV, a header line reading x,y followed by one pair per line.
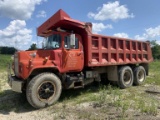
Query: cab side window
x,y
67,43
53,41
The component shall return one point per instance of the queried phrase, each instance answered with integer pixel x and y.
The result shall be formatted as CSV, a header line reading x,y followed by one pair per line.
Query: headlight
x,y
33,55
12,57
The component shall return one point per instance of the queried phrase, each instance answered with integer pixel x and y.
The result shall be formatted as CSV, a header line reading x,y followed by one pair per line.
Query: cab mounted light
x,y
61,30
48,31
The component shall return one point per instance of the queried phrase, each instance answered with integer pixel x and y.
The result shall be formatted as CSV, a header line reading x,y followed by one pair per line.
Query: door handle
x,y
79,53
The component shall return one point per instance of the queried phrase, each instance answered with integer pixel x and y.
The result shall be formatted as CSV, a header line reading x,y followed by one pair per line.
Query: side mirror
x,y
44,42
72,40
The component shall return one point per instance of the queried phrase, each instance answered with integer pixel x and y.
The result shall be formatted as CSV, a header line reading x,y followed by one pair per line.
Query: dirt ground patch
x,y
88,104
18,109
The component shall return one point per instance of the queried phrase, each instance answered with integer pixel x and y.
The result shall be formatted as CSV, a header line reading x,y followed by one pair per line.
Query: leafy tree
x,y
155,49
33,47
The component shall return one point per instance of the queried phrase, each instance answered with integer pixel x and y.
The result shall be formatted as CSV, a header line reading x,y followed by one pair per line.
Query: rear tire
x,y
43,90
125,77
139,75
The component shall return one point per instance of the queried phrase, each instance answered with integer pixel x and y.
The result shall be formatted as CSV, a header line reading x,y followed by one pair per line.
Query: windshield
x,y
53,41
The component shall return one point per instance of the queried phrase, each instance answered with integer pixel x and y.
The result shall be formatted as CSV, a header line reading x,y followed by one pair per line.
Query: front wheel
x,y
43,90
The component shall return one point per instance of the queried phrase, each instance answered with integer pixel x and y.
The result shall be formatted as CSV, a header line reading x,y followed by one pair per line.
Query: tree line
x,y
7,50
155,49
12,50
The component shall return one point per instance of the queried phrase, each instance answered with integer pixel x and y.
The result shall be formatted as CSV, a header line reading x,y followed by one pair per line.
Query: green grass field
x,y
4,60
154,73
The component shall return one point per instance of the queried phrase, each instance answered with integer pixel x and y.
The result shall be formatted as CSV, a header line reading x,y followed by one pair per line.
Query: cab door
x,y
72,56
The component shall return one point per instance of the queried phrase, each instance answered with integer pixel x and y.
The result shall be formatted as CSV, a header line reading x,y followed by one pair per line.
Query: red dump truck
x,y
72,57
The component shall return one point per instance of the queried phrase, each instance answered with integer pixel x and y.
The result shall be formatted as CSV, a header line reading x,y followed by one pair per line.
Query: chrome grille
x,y
16,65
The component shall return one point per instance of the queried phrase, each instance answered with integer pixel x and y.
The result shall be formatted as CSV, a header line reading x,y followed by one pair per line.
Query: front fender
x,y
39,70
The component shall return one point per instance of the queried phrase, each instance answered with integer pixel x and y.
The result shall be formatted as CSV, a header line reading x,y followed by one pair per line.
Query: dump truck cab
x,y
66,51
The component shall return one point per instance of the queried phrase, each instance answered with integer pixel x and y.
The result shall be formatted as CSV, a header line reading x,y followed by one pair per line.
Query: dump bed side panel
x,y
105,50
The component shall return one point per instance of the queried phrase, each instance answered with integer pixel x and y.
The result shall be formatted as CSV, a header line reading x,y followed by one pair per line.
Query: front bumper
x,y
14,82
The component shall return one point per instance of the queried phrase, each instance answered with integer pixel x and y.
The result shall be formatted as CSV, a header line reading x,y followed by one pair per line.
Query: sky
x,y
134,19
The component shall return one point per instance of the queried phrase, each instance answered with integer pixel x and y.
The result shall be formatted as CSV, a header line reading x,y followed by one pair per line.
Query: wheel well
x,y
145,65
41,70
37,71
111,72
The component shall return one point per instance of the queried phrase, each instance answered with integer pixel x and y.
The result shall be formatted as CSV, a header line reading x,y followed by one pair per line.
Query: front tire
x,y
125,77
43,90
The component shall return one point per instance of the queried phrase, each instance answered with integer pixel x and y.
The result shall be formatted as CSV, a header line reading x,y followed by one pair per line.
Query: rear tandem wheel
x,y
139,75
125,77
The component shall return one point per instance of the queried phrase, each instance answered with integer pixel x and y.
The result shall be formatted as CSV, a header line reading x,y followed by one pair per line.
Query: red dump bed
x,y
106,50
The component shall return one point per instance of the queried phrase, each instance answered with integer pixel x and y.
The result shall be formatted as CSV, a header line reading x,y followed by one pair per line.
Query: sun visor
x,y
59,19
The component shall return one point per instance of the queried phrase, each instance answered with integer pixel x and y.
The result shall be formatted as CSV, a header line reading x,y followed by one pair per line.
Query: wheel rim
x,y
127,77
46,91
141,76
